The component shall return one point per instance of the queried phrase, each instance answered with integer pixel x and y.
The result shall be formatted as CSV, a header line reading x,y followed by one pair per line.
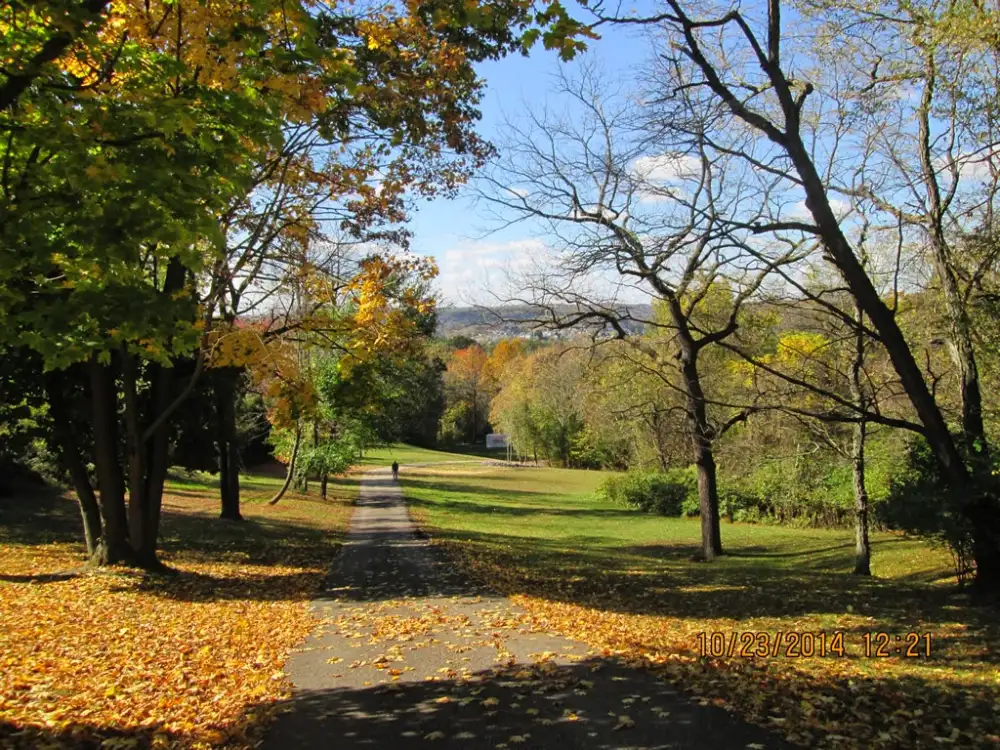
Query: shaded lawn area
x,y
159,660
626,582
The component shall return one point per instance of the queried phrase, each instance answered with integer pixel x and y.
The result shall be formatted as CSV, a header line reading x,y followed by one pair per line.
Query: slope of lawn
x,y
625,582
410,455
191,659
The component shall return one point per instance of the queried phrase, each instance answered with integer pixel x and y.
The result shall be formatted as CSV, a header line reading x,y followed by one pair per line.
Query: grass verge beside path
x,y
625,582
136,660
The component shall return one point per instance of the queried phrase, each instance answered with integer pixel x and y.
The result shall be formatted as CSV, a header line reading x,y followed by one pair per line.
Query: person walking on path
x,y
395,471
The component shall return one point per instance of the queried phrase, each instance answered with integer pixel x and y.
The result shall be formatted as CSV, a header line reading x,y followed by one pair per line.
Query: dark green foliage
x,y
398,399
667,493
461,342
919,502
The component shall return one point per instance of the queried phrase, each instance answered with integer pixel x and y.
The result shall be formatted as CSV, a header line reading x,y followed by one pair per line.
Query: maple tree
x,y
158,156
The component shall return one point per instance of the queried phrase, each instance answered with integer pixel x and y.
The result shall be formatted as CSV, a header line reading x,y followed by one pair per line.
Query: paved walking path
x,y
412,655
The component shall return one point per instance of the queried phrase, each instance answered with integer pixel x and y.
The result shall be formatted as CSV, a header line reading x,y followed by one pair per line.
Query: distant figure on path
x,y
395,471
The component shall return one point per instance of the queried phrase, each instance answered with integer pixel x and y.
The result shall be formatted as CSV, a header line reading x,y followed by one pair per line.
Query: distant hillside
x,y
511,322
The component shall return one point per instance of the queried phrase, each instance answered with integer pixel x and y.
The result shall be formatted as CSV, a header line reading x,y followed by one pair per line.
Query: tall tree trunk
x,y
708,500
229,460
134,458
291,469
157,460
862,546
69,454
702,437
104,404
963,353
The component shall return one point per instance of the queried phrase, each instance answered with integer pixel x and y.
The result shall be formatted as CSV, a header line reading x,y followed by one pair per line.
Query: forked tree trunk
x,y
702,438
291,469
114,546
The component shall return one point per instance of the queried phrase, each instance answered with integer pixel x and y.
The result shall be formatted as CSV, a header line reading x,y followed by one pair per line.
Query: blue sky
x,y
452,231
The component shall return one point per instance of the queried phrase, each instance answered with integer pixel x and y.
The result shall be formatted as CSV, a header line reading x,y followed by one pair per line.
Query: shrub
x,y
921,503
665,493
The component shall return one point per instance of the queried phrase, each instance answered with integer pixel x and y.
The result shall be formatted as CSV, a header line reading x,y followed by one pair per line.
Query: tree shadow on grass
x,y
508,506
662,580
48,517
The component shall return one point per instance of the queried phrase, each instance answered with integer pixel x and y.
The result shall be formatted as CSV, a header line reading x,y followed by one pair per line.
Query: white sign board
x,y
496,440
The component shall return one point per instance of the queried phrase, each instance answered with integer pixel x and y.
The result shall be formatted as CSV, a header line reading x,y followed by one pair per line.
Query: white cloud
x,y
470,270
662,175
798,210
973,167
666,168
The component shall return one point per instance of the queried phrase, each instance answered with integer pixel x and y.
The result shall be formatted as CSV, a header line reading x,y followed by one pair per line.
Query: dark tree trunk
x,y
157,459
708,500
70,457
702,436
291,469
229,459
323,485
104,402
137,506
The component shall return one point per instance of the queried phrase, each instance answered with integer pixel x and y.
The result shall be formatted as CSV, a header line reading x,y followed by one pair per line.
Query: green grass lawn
x,y
626,581
409,455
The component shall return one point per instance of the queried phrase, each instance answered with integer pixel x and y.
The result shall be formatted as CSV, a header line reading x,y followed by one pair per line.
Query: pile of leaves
x,y
120,658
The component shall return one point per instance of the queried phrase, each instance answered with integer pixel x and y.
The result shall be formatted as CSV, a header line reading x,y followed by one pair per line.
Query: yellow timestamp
x,y
806,644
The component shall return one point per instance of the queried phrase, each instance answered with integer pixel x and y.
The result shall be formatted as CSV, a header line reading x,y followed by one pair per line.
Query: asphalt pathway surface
x,y
412,655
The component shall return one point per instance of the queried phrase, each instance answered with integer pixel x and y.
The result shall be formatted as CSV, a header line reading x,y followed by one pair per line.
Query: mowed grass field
x,y
625,582
409,455
120,658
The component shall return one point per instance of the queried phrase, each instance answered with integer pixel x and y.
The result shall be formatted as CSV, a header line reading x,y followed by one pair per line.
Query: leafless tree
x,y
741,75
631,212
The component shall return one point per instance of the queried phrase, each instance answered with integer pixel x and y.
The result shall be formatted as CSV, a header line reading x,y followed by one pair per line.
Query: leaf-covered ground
x,y
625,582
125,659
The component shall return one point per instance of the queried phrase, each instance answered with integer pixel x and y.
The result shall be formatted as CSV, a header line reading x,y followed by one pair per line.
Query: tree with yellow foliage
x,y
141,142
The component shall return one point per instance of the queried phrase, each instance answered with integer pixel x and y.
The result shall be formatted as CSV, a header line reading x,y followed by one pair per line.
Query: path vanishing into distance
x,y
412,654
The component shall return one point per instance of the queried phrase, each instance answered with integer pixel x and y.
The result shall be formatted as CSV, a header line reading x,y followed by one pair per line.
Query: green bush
x,y
920,502
665,493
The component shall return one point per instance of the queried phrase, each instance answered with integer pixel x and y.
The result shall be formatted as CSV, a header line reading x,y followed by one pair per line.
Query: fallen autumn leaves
x,y
117,659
